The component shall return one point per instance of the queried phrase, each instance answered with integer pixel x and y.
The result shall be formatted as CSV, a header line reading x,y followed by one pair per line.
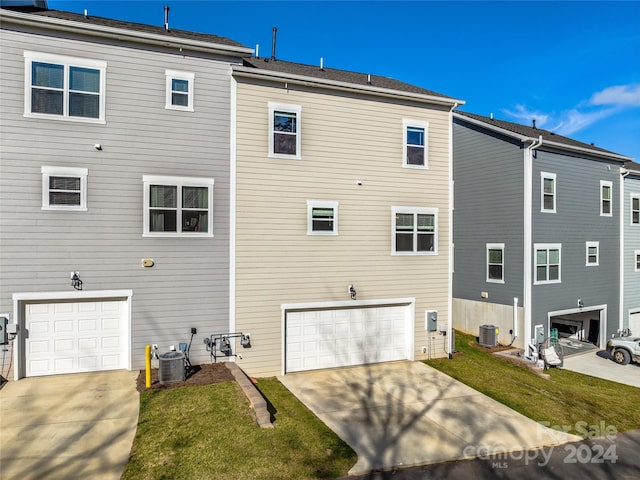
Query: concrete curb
x,y
257,401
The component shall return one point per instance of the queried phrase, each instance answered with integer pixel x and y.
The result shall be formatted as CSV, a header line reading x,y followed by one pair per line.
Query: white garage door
x,y
349,336
634,323
73,337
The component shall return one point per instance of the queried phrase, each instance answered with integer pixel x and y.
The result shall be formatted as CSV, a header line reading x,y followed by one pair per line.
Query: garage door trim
x,y
386,302
22,299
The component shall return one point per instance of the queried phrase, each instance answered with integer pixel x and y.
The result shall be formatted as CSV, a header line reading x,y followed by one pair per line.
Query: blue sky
x,y
573,66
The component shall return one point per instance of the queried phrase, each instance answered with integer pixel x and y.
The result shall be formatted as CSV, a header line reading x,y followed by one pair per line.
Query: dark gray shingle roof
x,y
534,132
332,74
137,27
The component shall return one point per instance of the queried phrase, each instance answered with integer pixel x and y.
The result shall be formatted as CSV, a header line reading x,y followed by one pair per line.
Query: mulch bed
x,y
205,374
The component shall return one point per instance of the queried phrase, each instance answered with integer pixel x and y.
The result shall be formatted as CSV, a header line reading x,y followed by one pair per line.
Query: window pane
x,y
554,257
495,256
425,242
319,225
404,242
180,99
179,85
415,155
84,105
162,221
548,185
548,202
284,122
415,136
64,198
541,274
404,221
606,206
606,192
46,101
195,197
593,251
554,272
635,217
47,75
541,257
64,183
426,223
84,79
162,196
194,221
284,143
495,272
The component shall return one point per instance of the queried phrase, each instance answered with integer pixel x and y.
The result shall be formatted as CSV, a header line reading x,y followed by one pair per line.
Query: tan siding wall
x,y
343,140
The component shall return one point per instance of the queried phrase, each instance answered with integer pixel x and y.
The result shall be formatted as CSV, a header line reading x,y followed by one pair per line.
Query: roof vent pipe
x,y
257,50
86,13
273,43
166,18
368,79
321,63
534,123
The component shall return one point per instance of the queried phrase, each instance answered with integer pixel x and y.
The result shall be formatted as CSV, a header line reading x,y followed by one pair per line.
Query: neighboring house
x,y
631,246
342,218
537,229
114,163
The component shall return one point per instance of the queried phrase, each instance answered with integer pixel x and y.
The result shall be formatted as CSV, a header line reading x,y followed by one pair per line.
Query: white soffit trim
x,y
250,72
120,33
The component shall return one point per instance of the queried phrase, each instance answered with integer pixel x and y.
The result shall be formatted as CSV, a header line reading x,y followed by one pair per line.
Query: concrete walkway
x,y
598,364
407,413
68,426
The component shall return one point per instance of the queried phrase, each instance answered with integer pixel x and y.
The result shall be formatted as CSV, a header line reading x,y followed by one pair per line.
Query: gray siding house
x,y
114,189
631,247
537,232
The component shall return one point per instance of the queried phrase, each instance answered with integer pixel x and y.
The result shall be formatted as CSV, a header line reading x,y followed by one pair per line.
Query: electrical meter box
x,y
4,338
539,334
431,321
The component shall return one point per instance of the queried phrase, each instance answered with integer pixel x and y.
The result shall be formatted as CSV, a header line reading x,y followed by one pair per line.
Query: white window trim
x,y
606,183
495,246
66,62
81,173
178,182
311,204
633,196
549,176
636,254
284,107
189,77
414,210
406,123
590,245
547,246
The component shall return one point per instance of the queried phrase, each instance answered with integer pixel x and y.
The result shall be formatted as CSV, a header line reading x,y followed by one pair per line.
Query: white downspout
x,y
528,235
623,173
451,251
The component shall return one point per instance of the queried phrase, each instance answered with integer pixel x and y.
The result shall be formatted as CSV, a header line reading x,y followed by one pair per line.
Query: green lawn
x,y
565,399
208,432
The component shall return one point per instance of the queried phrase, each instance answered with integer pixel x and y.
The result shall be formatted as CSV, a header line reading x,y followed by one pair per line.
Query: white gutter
x,y
252,72
528,234
64,25
451,250
559,145
623,173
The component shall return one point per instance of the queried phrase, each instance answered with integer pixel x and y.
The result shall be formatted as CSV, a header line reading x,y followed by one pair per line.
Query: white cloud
x,y
526,116
571,121
620,95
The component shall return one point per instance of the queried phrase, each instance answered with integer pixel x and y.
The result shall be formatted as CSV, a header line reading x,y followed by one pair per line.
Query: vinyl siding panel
x,y
345,139
188,286
631,244
577,220
489,208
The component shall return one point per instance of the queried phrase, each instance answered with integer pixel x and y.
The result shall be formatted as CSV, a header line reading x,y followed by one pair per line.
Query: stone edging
x,y
257,401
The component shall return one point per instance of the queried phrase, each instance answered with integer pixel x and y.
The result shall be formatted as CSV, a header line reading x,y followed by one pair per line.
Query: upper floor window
x,y
179,94
64,87
495,262
593,254
547,192
176,206
415,231
415,144
64,188
635,209
322,217
284,130
636,260
605,198
547,263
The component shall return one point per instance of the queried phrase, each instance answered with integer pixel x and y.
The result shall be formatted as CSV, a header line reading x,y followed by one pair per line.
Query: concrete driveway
x,y
407,413
598,364
68,426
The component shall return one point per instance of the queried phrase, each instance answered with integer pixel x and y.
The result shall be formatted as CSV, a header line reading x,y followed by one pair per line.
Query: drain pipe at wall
x,y
514,334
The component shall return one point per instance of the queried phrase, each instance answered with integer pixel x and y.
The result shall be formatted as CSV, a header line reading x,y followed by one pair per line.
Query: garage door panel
x,y
71,337
342,337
